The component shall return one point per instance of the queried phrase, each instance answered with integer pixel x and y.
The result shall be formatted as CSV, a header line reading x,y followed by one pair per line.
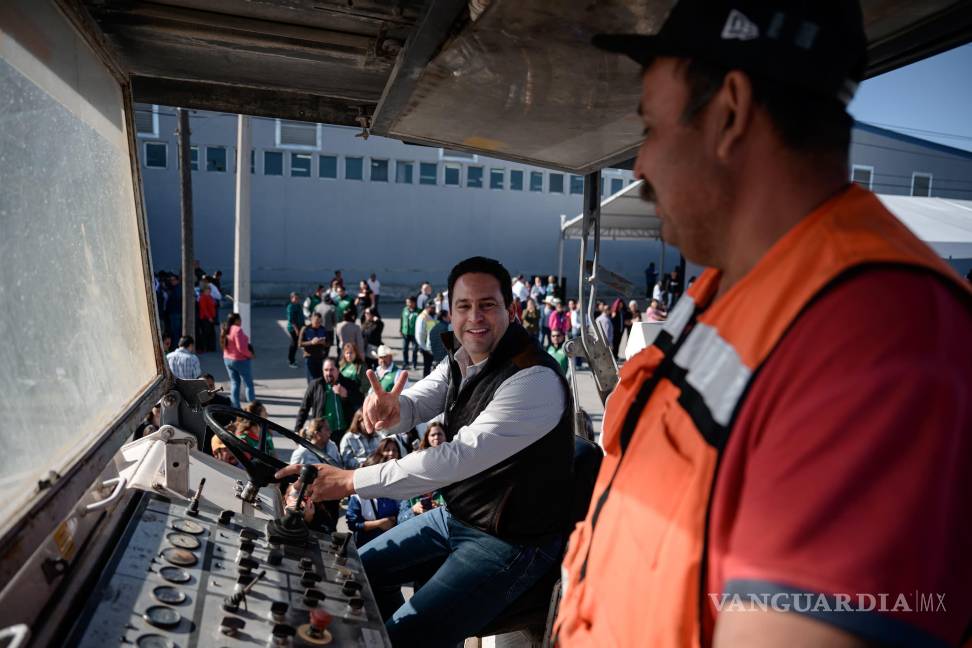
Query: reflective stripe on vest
x,y
634,566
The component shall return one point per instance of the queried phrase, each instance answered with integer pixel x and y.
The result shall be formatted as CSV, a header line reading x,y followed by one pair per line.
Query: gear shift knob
x,y
307,475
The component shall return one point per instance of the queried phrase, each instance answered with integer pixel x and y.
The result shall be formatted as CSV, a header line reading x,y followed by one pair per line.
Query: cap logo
x,y
739,27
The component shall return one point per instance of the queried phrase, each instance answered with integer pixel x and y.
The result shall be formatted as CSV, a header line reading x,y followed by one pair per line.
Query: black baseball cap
x,y
818,45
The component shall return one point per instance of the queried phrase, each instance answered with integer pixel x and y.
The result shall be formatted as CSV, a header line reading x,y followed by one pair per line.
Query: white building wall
x,y
305,228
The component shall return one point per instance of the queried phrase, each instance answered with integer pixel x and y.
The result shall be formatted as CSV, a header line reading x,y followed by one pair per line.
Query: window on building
x,y
617,184
428,172
216,159
379,170
297,134
327,166
921,184
452,173
194,158
450,154
156,155
862,175
496,177
403,172
556,183
272,163
146,120
353,168
577,185
516,180
300,165
252,160
536,181
474,177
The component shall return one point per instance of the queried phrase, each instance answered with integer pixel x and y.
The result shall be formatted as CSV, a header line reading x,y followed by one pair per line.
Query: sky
x,y
931,95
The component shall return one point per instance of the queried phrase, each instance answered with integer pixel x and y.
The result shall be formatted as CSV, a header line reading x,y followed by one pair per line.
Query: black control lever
x,y
232,603
307,475
291,528
193,508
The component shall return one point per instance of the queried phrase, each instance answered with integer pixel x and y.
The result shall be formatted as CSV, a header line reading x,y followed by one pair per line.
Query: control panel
x,y
190,574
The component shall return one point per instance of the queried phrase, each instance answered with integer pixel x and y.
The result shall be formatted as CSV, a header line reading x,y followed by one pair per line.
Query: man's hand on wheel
x,y
381,410
331,483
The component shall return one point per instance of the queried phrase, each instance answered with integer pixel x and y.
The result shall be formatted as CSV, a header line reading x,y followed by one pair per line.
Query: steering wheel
x,y
258,463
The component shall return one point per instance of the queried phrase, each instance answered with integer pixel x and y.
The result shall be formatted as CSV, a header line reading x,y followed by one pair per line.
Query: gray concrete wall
x,y
895,158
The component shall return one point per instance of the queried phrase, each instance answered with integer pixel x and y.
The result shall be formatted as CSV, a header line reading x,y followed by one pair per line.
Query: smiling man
x,y
790,435
505,472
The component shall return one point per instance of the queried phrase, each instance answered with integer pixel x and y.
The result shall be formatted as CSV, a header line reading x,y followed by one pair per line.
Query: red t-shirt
x,y
207,307
849,468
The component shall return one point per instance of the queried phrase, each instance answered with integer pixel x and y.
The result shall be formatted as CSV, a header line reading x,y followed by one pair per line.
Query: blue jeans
x,y
240,370
409,340
470,577
313,368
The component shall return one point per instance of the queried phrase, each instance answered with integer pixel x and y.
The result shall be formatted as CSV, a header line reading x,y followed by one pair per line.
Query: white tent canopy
x,y
943,223
623,216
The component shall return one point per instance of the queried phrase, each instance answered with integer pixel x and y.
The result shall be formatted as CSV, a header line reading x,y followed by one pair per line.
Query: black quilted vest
x,y
525,498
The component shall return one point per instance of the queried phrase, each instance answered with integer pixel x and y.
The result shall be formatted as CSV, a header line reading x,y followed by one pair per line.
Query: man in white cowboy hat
x,y
387,369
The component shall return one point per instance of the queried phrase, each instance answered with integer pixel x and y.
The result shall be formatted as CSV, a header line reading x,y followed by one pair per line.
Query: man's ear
x,y
512,312
733,112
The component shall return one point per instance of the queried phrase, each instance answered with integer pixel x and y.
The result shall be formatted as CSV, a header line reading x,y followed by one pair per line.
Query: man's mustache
x,y
647,192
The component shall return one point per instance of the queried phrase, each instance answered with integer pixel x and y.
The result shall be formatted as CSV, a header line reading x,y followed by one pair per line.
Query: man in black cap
x,y
782,457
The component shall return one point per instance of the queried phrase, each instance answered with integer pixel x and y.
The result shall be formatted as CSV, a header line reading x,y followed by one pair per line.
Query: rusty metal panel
x,y
524,83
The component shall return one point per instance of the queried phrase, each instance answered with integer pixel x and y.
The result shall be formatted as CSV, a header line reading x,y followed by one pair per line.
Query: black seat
x,y
529,612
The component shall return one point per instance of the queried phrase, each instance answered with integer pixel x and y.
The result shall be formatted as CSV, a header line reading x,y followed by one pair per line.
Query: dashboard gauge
x,y
183,540
154,641
175,575
162,617
181,557
168,595
188,526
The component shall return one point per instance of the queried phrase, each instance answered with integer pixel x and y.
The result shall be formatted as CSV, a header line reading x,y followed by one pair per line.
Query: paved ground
x,y
280,388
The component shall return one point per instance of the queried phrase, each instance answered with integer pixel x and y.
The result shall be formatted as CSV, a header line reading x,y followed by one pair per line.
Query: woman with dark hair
x,y
434,436
237,356
249,430
371,330
364,300
369,518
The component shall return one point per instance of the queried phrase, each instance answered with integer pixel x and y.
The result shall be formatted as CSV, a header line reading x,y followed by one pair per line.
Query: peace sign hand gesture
x,y
381,410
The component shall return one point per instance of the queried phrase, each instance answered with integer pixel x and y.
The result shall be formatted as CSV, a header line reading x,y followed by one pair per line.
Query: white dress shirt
x,y
524,407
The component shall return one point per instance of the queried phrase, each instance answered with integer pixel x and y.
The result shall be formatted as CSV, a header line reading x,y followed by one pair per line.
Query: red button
x,y
320,619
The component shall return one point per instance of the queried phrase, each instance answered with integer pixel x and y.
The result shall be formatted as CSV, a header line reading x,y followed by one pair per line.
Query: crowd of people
x,y
209,336
541,310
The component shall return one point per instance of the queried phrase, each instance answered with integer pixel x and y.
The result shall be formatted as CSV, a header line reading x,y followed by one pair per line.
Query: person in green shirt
x,y
407,327
341,304
295,321
556,349
327,398
387,372
312,301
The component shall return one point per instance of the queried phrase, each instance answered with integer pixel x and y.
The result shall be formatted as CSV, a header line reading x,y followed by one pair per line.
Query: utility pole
x,y
241,262
188,254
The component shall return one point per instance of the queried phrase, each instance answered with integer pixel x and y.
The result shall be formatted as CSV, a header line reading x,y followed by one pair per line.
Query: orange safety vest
x,y
633,570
